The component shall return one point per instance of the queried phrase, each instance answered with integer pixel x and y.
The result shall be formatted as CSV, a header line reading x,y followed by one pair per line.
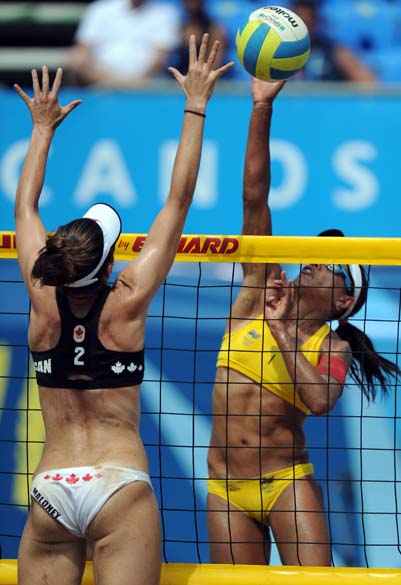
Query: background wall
x,y
335,160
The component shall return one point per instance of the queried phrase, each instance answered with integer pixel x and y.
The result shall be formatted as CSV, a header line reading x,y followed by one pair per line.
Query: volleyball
x,y
273,44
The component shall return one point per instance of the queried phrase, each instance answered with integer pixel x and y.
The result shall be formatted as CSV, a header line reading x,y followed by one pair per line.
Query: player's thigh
x,y
126,538
234,537
49,553
298,522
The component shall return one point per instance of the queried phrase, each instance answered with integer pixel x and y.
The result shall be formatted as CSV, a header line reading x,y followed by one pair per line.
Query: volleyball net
x,y
355,448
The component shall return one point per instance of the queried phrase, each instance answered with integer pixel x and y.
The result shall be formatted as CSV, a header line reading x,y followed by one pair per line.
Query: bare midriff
x,y
254,431
91,427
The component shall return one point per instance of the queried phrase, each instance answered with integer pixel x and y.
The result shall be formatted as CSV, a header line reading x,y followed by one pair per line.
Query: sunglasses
x,y
340,269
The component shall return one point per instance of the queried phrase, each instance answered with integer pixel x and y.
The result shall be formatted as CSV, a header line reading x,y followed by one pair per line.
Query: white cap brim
x,y
109,222
356,273
355,270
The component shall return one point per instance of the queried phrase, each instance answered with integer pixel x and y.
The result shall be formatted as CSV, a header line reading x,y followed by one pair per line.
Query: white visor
x,y
356,274
109,221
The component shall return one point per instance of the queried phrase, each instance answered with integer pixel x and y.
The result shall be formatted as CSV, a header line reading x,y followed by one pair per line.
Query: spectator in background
x,y
196,21
123,43
328,61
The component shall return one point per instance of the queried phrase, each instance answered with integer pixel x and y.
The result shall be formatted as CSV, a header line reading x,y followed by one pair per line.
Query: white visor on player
x,y
356,275
109,222
355,271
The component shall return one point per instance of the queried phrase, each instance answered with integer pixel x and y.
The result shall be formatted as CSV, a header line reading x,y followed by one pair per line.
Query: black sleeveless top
x,y
79,352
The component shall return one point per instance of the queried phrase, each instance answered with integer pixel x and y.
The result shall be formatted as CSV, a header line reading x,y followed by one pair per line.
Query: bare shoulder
x,y
337,347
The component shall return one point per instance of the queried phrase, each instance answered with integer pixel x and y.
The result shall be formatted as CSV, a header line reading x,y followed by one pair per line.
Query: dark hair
x,y
312,4
200,13
368,368
71,253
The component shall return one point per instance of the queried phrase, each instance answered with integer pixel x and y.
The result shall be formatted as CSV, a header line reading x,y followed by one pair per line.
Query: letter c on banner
x,y
10,168
294,174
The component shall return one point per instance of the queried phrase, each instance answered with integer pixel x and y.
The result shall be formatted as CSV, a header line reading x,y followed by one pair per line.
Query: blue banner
x,y
334,161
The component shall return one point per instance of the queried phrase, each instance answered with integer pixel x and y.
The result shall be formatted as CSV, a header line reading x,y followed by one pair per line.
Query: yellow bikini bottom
x,y
257,496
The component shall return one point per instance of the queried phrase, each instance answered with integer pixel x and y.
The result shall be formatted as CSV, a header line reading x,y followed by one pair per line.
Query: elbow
x,y
322,399
22,210
322,406
18,209
319,408
318,404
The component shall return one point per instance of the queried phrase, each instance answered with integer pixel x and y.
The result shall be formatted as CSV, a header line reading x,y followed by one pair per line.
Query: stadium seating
x,y
363,25
386,63
32,33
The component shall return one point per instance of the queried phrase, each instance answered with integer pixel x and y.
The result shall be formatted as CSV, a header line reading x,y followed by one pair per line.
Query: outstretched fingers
x,y
203,49
221,70
45,81
199,81
179,77
44,106
212,59
57,82
71,106
22,94
213,53
35,84
192,50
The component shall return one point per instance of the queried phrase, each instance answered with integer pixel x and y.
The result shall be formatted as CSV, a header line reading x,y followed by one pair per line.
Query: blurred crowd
x,y
123,43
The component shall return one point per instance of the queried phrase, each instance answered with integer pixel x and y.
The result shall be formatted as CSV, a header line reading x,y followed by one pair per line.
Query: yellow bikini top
x,y
241,351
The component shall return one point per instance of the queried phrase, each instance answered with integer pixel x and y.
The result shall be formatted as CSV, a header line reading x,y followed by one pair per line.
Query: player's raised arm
x,y
46,114
149,270
256,186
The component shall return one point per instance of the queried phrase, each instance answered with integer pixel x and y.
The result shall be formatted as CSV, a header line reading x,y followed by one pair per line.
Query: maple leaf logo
x,y
57,477
98,475
79,333
72,479
118,368
132,367
140,368
46,476
87,477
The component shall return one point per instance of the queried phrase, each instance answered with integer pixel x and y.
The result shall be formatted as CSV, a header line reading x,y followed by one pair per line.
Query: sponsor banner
x,y
334,160
282,249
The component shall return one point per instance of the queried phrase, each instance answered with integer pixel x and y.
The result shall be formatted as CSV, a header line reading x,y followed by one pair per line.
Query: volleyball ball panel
x,y
273,44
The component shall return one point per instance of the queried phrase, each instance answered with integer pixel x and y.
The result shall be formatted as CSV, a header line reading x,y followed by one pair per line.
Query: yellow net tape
x,y
281,249
189,574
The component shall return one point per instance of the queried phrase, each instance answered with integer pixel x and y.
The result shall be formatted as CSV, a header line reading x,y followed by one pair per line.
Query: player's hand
x,y
45,110
265,91
198,84
279,304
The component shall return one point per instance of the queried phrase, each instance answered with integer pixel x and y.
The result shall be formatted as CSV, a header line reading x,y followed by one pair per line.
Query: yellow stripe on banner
x,y
291,63
5,363
266,53
30,439
243,38
187,574
260,249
